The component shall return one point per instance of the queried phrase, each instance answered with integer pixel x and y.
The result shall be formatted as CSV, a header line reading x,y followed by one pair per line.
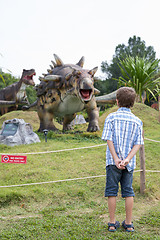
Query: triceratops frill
x,y
65,90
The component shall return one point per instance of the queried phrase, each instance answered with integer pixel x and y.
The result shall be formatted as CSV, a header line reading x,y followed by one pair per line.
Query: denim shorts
x,y
114,176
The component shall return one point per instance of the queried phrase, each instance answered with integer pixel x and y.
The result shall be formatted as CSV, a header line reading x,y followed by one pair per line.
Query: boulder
x,y
79,119
17,132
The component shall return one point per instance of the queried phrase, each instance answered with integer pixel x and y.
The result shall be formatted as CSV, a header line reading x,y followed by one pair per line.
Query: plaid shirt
x,y
124,129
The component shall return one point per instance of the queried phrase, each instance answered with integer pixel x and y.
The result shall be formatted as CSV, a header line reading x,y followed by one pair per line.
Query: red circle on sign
x,y
5,158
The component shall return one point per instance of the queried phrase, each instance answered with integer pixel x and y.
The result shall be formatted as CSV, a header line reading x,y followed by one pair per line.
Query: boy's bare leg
x,y
112,209
129,208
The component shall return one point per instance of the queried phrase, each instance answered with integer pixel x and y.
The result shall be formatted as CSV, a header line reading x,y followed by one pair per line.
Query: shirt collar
x,y
124,109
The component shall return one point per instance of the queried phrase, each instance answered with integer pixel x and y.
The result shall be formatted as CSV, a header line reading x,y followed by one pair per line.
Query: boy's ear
x,y
117,102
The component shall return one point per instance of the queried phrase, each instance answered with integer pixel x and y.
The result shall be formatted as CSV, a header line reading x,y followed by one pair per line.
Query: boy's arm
x,y
131,155
114,155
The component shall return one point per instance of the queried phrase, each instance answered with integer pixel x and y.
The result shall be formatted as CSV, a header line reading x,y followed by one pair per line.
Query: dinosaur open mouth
x,y
85,93
29,77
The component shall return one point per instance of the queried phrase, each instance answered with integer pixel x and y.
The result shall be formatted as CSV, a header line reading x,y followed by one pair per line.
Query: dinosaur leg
x,y
46,121
4,110
93,115
67,120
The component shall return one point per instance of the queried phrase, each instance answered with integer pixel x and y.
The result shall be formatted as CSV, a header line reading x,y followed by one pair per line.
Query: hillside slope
x,y
28,116
148,115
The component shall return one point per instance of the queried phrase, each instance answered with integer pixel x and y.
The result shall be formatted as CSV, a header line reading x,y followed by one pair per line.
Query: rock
x,y
17,132
79,119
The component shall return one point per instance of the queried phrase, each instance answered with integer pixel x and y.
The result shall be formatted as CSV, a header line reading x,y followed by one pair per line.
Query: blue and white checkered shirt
x,y
124,129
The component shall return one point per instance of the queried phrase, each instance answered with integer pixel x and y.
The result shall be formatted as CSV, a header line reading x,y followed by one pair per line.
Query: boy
x,y
123,133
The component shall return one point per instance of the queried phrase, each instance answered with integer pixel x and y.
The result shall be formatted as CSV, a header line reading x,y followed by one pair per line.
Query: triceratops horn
x,y
96,91
93,71
81,62
58,60
51,78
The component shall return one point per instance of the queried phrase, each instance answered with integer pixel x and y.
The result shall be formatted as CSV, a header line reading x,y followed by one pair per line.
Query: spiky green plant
x,y
140,73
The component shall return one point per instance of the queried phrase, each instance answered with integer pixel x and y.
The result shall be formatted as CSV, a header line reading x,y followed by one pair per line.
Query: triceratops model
x,y
65,90
15,93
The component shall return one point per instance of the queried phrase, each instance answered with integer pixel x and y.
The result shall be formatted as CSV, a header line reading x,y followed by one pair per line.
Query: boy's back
x,y
124,129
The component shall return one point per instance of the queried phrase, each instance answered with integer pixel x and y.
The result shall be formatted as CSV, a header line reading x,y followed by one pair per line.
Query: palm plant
x,y
140,74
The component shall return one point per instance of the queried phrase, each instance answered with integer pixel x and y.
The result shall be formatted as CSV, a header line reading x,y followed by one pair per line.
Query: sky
x,y
31,31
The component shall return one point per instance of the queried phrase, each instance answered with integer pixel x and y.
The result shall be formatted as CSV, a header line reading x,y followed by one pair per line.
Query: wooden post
x,y
159,106
142,168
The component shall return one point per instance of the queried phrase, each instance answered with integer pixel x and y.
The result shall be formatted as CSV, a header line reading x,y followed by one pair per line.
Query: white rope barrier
x,y
64,180
61,150
67,180
154,171
72,149
151,140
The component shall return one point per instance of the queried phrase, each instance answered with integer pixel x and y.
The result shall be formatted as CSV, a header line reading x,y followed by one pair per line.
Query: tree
x,y
141,74
135,47
6,79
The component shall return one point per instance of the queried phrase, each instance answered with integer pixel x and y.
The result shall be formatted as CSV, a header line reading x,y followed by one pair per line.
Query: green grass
x,y
75,209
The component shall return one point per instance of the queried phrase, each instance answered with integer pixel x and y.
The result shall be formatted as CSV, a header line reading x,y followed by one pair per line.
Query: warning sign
x,y
13,159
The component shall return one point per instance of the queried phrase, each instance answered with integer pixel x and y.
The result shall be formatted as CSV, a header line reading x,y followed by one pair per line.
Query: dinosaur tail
x,y
32,107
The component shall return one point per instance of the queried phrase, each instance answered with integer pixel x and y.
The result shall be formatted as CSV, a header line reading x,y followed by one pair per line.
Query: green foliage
x,y
31,94
1,76
139,73
135,47
6,79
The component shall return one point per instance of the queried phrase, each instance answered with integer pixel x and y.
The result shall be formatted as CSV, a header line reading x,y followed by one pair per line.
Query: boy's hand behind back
x,y
124,162
119,164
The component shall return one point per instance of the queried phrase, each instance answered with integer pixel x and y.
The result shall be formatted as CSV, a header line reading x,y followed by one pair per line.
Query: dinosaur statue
x,y
65,90
15,93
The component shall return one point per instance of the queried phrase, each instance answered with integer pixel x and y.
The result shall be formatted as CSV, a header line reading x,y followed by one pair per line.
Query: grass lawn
x,y
75,209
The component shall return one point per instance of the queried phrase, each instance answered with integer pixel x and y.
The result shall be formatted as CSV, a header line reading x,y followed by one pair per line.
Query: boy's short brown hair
x,y
126,97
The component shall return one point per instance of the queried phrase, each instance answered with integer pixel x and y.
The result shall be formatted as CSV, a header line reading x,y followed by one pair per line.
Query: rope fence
x,y
67,180
72,149
74,179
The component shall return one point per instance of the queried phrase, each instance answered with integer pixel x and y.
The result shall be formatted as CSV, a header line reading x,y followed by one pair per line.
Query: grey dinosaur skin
x,y
65,90
9,96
